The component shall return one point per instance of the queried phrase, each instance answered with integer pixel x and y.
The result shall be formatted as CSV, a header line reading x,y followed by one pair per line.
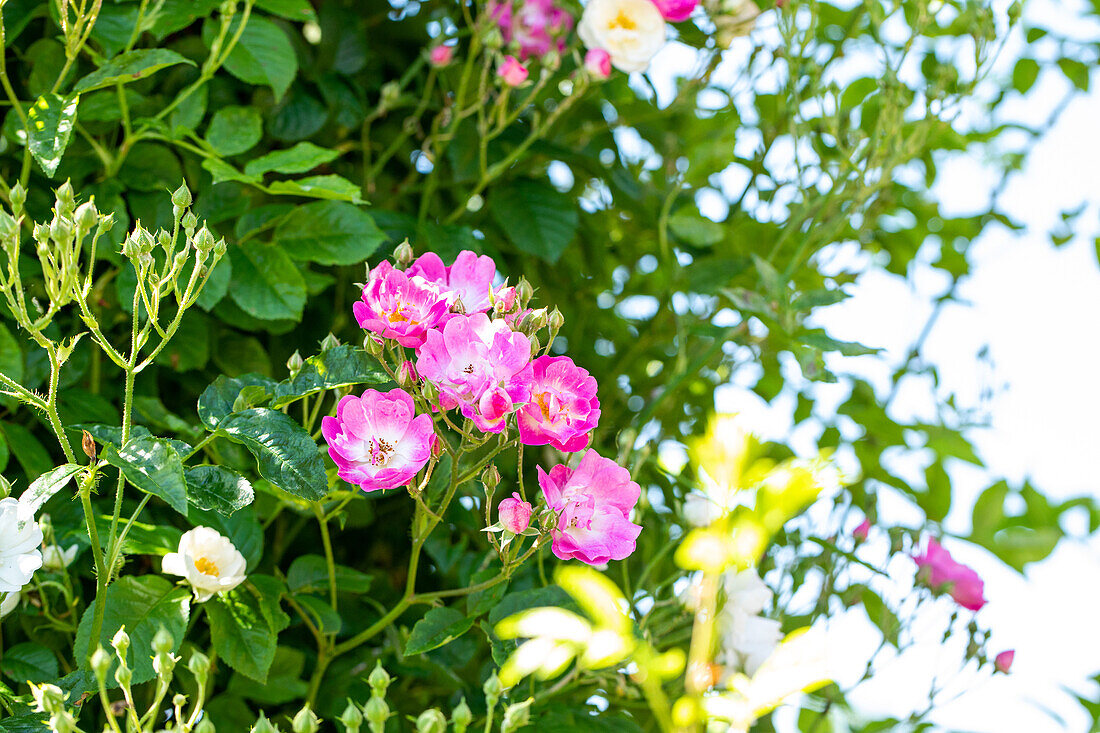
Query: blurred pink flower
x,y
469,278
860,532
598,63
594,501
937,569
479,366
535,26
512,71
441,55
563,409
377,441
1003,662
675,10
399,306
515,513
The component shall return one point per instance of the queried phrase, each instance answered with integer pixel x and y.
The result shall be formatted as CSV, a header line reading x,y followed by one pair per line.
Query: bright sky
x,y
1035,307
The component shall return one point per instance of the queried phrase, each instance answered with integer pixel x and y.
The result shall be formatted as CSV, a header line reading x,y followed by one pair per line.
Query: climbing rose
x,y
20,537
399,305
631,31
480,366
563,407
377,441
515,513
535,26
594,502
597,62
208,561
512,71
1003,662
675,10
937,569
470,278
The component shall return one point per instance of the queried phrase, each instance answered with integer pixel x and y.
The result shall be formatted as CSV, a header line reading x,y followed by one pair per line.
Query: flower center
x,y
206,566
380,448
468,369
623,22
543,400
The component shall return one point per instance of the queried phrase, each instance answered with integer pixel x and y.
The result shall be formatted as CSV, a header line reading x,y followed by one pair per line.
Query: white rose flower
x,y
20,537
54,558
631,31
745,591
11,600
208,561
747,638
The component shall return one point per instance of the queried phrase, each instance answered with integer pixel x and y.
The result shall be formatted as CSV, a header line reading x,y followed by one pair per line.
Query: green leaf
x,y
438,627
46,485
266,284
301,158
29,662
11,356
245,625
233,130
218,489
1024,74
693,228
284,681
535,216
1076,72
818,339
937,501
222,172
481,601
342,366
143,604
112,435
323,616
263,55
28,451
51,120
130,66
286,454
330,187
152,465
216,401
299,10
217,286
330,233
309,574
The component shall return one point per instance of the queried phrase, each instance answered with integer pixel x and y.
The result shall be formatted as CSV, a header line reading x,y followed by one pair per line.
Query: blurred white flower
x,y
631,31
20,537
747,638
11,600
57,559
208,561
701,510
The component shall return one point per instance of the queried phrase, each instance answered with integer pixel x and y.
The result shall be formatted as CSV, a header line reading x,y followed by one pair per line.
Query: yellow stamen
x,y
206,566
623,22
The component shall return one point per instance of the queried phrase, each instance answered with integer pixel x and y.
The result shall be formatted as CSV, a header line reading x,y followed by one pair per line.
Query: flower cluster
x,y
942,573
475,350
534,27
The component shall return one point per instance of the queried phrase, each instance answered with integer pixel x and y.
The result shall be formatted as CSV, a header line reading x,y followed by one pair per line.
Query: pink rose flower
x,y
597,62
534,26
563,409
512,71
675,10
480,366
399,306
470,278
860,532
1003,662
594,501
515,513
441,56
377,441
937,569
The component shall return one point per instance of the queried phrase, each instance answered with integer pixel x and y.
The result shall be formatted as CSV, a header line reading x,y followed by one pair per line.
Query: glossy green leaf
x,y
301,158
536,217
234,130
50,121
143,604
309,574
130,66
46,485
218,489
297,10
286,454
328,187
217,400
31,455
341,366
329,233
266,284
245,625
438,627
152,465
263,55
29,662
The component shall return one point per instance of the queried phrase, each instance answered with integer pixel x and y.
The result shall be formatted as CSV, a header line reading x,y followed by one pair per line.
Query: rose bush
x,y
296,296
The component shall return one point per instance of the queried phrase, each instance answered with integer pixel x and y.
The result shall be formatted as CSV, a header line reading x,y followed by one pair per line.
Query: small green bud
x,y
490,477
121,642
65,199
329,342
61,229
524,292
555,320
204,726
294,363
86,216
431,721
18,196
536,346
263,725
101,663
5,488
373,346
41,233
179,700
379,679
124,675
163,641
227,8
105,223
492,688
179,260
9,228
219,248
377,712
306,721
391,92
199,664
516,716
48,699
352,717
462,716
403,254
181,197
189,221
